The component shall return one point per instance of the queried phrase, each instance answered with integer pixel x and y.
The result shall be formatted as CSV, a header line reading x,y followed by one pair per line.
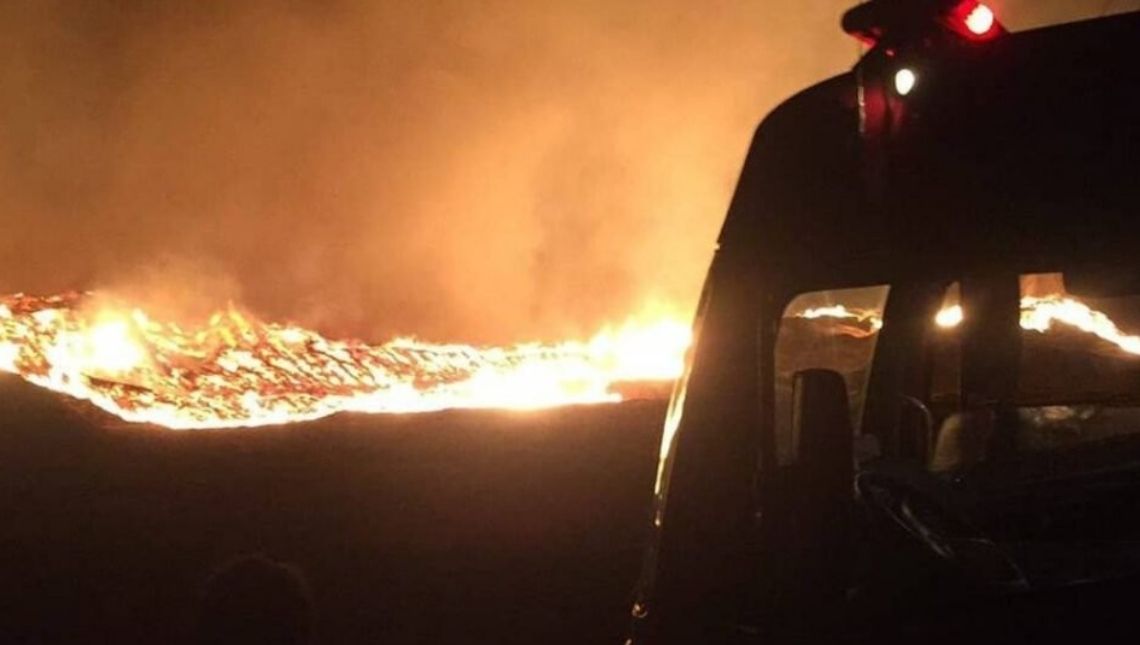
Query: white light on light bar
x,y
905,80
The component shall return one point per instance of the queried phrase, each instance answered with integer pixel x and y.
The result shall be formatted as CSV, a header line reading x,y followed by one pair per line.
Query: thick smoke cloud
x,y
481,171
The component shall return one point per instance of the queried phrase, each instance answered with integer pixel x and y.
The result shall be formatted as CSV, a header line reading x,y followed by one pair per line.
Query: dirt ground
x,y
452,527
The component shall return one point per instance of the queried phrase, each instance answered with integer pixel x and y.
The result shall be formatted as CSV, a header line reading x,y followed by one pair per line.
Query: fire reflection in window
x,y
834,330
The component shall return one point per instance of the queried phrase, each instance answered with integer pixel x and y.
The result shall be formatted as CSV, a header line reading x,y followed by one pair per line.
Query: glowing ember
x,y
237,371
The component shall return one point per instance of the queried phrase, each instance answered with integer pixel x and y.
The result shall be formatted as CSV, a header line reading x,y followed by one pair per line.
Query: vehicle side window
x,y
836,330
1079,374
1075,377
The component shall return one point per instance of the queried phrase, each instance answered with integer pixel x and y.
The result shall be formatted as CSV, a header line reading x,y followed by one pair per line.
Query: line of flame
x,y
1038,314
238,371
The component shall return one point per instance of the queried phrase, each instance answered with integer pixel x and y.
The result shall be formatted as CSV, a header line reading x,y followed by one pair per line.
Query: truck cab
x,y
912,408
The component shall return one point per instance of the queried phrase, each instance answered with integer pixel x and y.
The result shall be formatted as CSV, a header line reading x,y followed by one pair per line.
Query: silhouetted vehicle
x,y
953,455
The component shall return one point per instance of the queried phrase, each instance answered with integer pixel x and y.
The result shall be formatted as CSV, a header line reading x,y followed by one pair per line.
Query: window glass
x,y
834,330
1077,375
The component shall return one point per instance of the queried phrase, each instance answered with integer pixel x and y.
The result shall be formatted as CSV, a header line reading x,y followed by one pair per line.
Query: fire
x,y
1038,314
860,323
238,371
235,370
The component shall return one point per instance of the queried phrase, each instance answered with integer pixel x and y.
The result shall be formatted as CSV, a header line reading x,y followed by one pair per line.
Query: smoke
x,y
481,171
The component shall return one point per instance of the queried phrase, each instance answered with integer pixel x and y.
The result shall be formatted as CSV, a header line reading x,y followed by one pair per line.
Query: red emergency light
x,y
980,20
898,22
973,20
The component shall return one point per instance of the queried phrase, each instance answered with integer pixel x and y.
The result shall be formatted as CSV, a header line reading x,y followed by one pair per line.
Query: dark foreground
x,y
455,527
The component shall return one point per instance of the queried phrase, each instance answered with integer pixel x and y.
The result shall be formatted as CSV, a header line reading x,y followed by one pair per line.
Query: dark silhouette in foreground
x,y
253,600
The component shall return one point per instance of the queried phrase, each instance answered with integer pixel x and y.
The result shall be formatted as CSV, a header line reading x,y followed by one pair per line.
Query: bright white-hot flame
x,y
867,321
832,311
643,352
110,347
9,352
1039,314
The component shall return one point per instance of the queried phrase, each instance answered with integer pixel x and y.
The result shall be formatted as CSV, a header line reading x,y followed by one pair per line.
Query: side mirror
x,y
821,421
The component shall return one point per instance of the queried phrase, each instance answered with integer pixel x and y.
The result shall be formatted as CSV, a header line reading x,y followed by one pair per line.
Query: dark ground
x,y
453,527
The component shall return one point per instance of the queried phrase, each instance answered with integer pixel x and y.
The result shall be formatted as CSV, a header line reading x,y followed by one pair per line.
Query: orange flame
x,y
238,371
858,322
1038,314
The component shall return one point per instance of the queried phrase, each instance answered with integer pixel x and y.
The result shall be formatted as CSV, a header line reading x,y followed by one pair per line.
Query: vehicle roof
x,y
1021,152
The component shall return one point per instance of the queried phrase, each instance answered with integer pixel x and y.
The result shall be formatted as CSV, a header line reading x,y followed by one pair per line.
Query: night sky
x,y
479,171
